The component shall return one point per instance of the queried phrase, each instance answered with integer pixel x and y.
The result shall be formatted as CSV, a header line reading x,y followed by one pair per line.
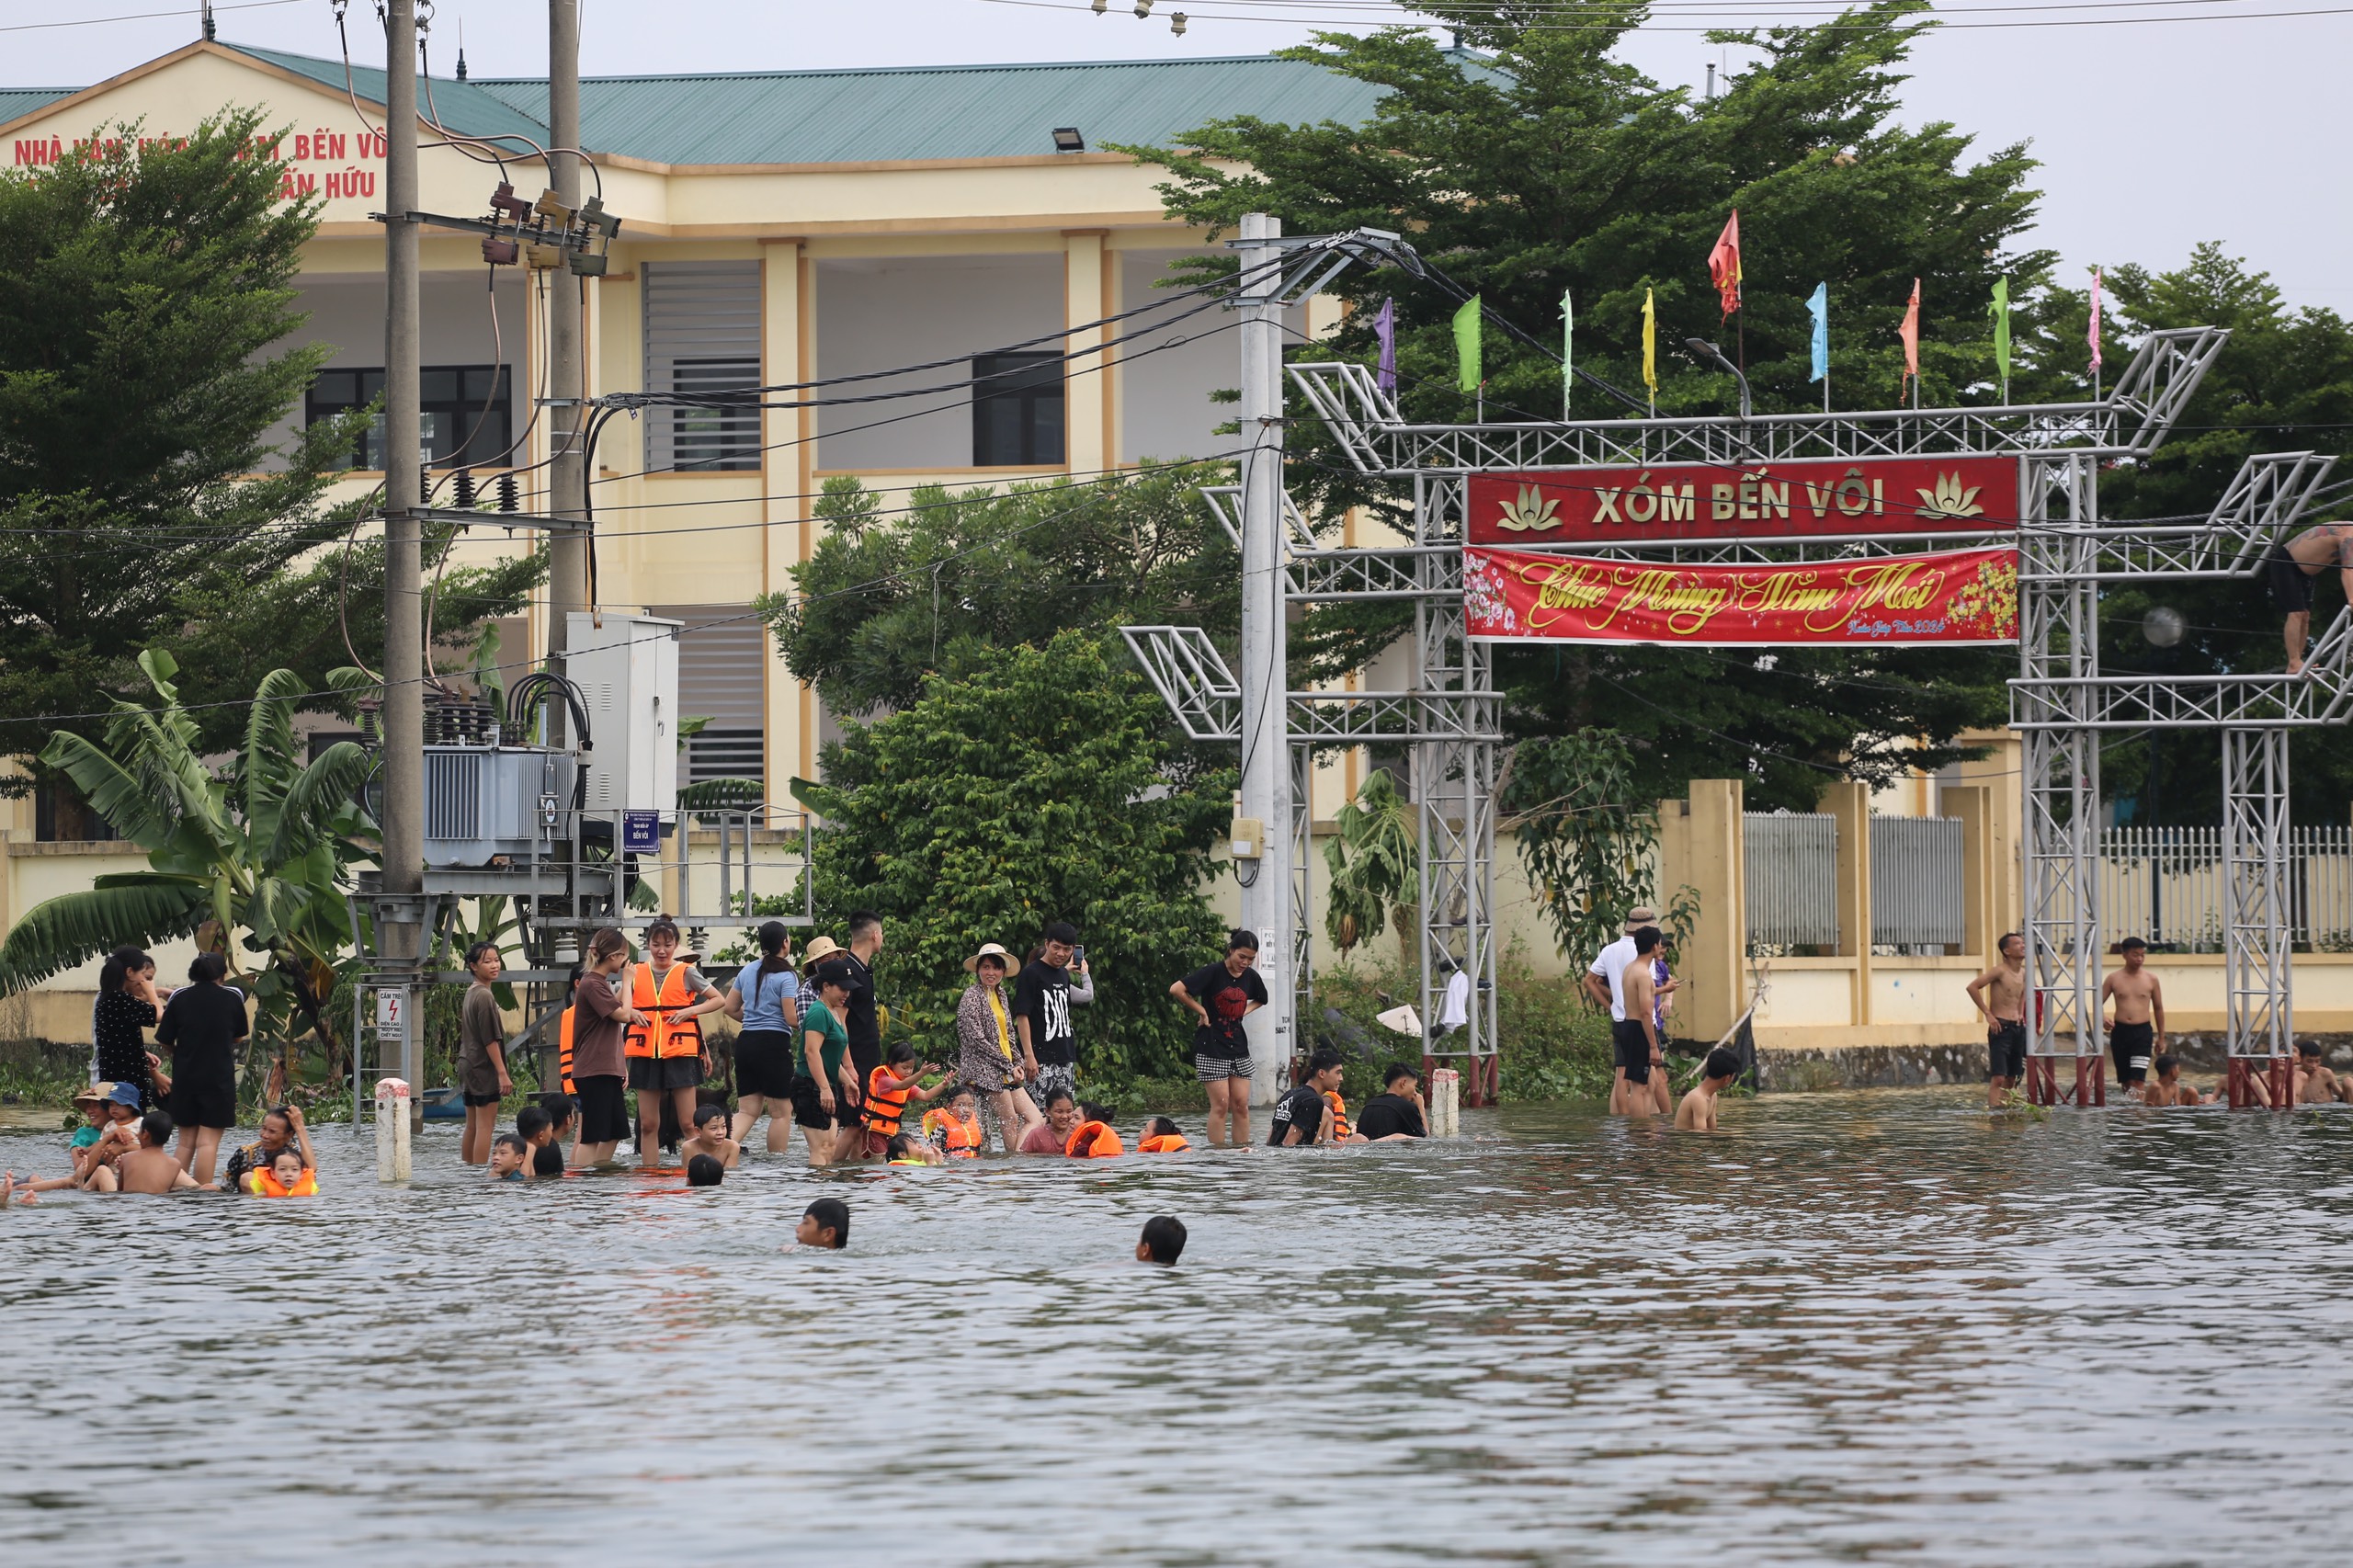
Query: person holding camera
x,y
1042,999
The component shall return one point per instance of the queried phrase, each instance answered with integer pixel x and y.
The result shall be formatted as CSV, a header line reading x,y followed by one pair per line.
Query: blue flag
x,y
1818,307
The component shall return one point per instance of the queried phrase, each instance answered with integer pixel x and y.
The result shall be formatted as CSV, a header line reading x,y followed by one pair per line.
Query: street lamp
x,y
1705,351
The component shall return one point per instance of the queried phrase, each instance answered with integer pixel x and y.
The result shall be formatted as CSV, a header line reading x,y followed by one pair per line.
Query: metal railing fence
x,y
1917,896
2165,886
1792,865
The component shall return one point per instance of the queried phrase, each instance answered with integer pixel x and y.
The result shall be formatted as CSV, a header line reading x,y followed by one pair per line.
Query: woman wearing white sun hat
x,y
986,1054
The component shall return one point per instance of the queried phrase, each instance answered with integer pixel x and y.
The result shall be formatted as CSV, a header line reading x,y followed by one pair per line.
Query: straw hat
x,y
990,950
1640,917
822,948
96,1094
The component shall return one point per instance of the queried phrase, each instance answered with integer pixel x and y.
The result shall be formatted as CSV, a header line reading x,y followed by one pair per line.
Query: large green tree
x,y
1026,785
1532,163
888,596
145,361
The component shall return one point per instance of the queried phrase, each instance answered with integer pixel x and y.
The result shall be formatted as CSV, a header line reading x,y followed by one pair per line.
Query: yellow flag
x,y
1650,346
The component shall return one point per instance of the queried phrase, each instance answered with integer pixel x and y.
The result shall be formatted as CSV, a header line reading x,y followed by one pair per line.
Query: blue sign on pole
x,y
641,833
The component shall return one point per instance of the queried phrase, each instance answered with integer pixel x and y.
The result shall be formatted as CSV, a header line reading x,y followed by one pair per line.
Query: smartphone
x,y
1077,957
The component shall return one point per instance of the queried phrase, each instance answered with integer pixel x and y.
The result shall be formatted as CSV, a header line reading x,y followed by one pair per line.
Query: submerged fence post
x,y
1445,1102
391,1129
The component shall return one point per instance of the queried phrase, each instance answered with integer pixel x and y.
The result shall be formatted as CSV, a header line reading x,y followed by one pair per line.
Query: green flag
x,y
1466,344
2000,310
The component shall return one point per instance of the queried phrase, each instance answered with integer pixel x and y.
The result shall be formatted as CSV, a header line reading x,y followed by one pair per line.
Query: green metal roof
x,y
17,102
959,111
460,106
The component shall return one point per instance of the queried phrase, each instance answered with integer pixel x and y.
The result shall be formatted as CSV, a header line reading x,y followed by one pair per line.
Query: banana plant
x,y
1374,864
260,851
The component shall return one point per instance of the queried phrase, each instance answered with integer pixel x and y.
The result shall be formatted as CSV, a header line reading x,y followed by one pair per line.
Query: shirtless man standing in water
x,y
2290,571
1999,997
2138,1033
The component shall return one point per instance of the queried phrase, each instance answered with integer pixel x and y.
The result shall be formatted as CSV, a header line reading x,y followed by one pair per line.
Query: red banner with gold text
x,y
1869,497
1950,597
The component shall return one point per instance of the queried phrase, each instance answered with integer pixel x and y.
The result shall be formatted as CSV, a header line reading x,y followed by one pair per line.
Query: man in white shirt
x,y
1604,981
1630,1046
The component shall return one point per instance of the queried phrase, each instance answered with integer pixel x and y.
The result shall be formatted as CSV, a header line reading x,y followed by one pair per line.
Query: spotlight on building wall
x,y
1068,140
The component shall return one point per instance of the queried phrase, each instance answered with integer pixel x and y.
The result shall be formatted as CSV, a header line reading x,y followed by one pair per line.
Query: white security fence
x,y
1790,861
1918,898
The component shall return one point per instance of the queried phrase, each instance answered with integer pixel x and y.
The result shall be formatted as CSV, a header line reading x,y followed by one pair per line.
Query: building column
x,y
1850,803
1087,386
785,459
1702,847
1972,804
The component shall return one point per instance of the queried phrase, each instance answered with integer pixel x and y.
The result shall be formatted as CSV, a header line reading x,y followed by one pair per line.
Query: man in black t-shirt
x,y
1221,995
859,1019
1304,1116
1396,1112
1041,1001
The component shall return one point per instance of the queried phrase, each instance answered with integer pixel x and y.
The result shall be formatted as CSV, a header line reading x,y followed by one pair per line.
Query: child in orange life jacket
x,y
1161,1137
1093,1138
888,1089
286,1176
906,1149
955,1128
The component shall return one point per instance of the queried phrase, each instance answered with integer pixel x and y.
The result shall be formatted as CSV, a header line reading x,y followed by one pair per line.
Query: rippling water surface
x,y
1850,1326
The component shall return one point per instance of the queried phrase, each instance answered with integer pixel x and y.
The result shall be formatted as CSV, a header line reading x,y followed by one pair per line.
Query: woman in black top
x,y
127,1007
202,1024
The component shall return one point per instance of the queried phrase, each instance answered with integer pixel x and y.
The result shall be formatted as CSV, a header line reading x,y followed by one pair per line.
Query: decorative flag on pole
x,y
1466,346
1649,347
1724,266
1910,333
1384,327
1817,305
1568,331
2093,337
2000,310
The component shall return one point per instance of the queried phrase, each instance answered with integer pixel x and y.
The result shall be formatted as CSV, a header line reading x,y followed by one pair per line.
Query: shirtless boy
x,y
2315,1085
1698,1111
2167,1089
1641,1087
2289,571
151,1168
1999,997
2137,1031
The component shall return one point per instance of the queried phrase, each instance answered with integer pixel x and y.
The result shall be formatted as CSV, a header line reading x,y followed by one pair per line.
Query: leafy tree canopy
x,y
1026,785
887,597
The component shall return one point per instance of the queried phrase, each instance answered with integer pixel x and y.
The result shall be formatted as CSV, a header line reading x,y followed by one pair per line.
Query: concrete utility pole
x,y
568,473
403,822
1266,906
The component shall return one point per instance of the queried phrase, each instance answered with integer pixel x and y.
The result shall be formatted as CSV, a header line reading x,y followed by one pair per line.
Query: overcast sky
x,y
2153,136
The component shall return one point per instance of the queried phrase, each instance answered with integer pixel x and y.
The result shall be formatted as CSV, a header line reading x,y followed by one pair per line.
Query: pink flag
x,y
1724,266
1910,333
2094,337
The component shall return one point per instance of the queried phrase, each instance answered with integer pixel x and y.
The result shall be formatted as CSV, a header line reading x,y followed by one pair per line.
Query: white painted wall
x,y
876,312
1169,367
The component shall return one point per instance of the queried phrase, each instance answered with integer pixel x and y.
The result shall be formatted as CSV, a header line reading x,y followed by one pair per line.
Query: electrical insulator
x,y
465,489
1176,23
507,499
1143,8
1101,5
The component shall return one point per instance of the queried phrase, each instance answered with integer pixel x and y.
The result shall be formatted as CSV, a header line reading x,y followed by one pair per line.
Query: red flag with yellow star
x,y
1723,265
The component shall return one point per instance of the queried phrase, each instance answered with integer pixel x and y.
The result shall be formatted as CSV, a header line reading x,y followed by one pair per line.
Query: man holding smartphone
x,y
1042,999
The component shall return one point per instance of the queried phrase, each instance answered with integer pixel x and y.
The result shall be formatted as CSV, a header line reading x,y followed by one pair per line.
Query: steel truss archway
x,y
1449,720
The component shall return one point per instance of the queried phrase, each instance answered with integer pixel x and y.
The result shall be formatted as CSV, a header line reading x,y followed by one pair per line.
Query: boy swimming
x,y
826,1224
1163,1241
1698,1111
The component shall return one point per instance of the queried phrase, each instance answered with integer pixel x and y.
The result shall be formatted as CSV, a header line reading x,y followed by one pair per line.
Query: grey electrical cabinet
x,y
482,802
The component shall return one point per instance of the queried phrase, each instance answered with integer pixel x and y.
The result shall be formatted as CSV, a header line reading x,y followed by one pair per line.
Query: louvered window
x,y
702,339
721,662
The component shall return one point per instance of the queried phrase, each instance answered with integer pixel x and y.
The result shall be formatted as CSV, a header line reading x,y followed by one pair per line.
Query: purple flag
x,y
1384,327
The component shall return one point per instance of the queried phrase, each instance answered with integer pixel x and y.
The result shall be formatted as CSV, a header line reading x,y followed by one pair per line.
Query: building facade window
x,y
1016,410
702,339
723,674
465,412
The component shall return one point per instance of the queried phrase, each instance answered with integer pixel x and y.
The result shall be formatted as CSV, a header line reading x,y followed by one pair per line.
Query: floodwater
x,y
1868,1326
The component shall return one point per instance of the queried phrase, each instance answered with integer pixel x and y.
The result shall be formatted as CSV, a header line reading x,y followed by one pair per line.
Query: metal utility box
x,y
627,669
483,801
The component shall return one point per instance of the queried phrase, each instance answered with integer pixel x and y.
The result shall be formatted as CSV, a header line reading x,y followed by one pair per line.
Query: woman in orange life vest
x,y
1093,1138
888,1089
1161,1137
664,1050
955,1129
286,1176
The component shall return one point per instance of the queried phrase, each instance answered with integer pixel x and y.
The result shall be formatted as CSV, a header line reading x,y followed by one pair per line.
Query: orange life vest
x,y
660,1036
1164,1144
264,1183
564,1050
961,1138
882,1111
1093,1141
1339,1115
